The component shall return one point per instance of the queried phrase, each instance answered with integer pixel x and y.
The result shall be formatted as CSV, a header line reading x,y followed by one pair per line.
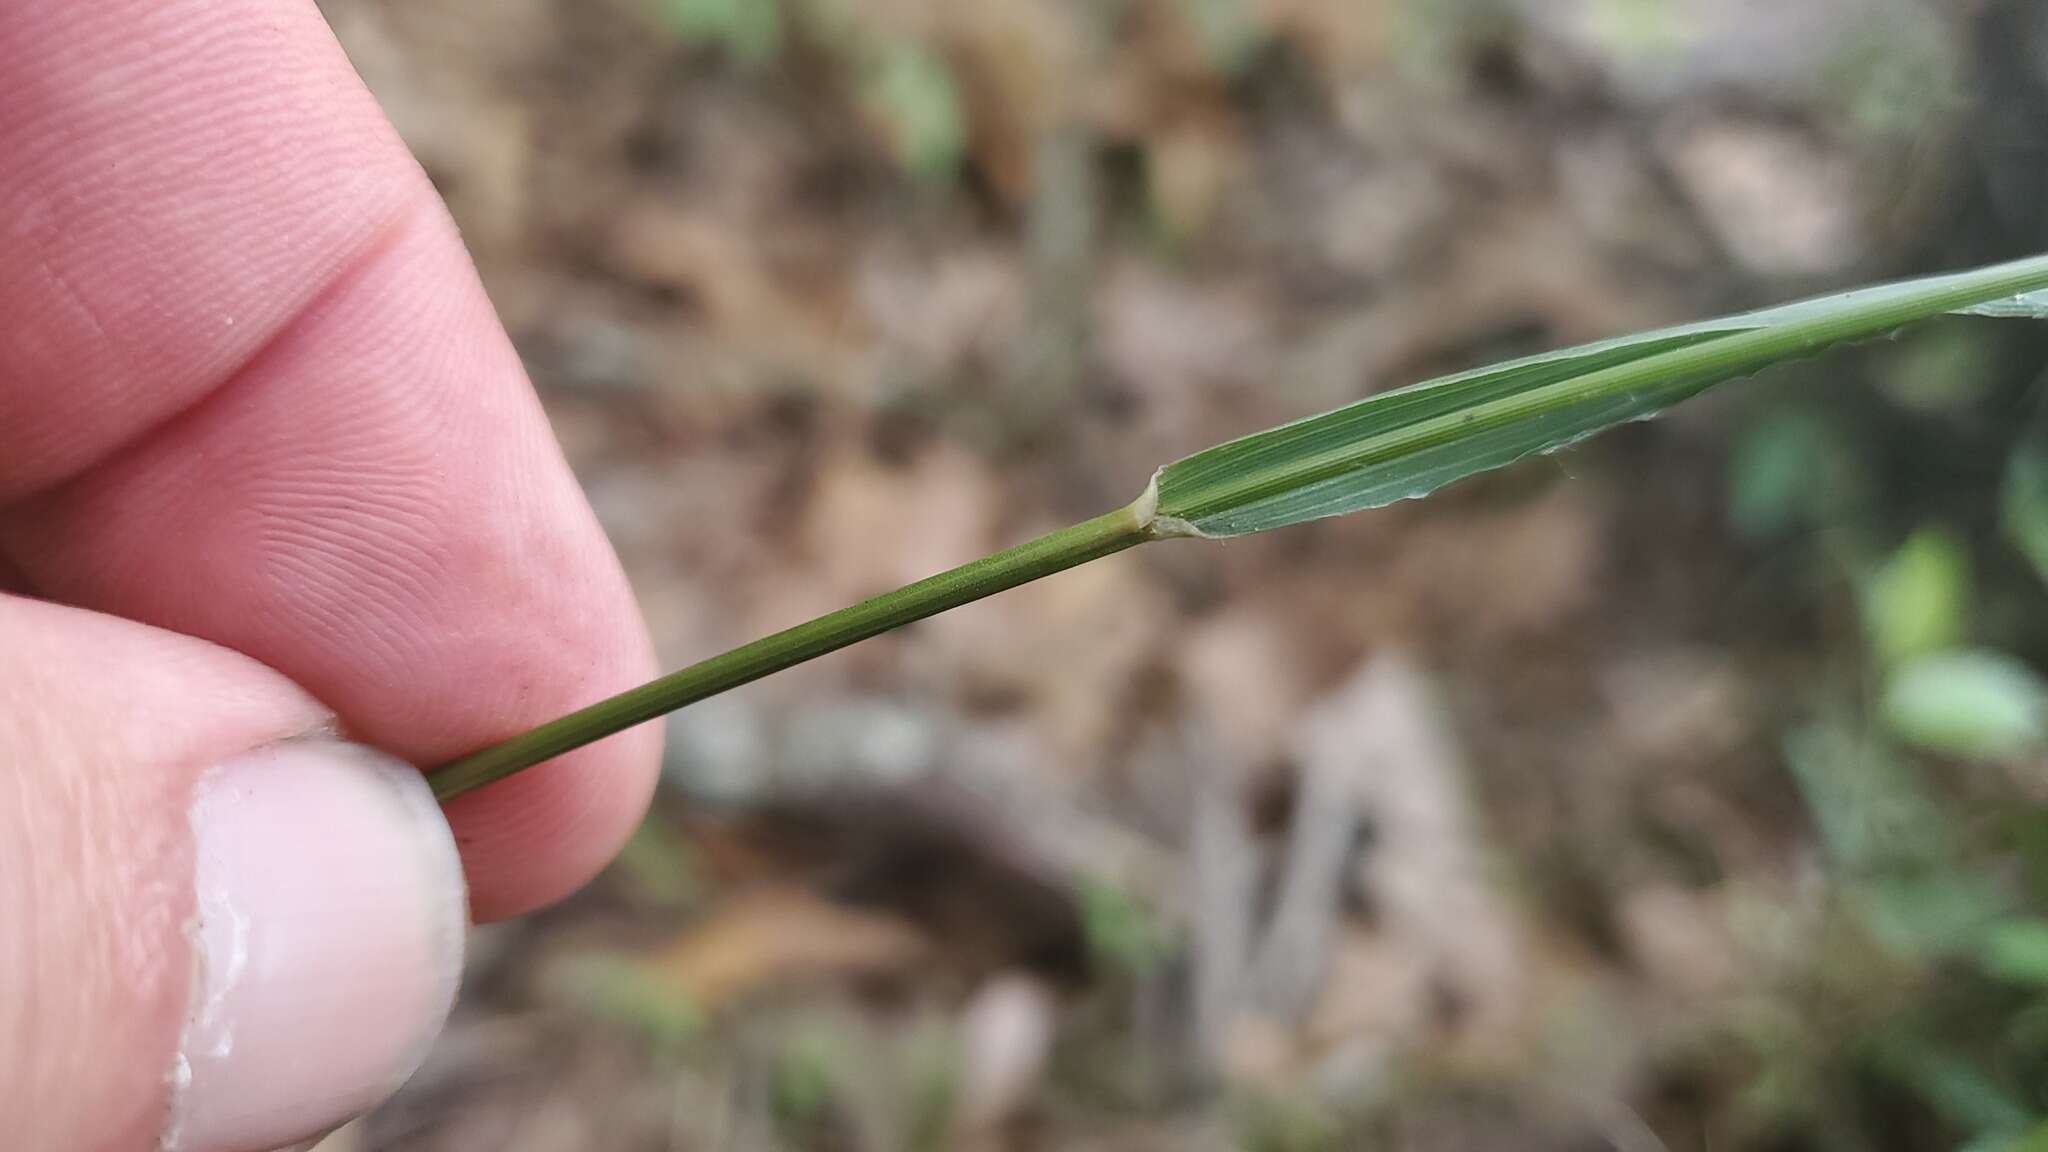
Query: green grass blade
x,y
1409,442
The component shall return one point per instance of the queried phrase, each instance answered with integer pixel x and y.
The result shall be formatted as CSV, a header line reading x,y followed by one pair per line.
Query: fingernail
x,y
327,942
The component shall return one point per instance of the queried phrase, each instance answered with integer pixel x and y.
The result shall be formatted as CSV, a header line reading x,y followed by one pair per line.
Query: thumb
x,y
217,933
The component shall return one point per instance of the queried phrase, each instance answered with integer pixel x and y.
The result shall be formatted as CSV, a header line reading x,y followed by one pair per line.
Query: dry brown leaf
x,y
783,936
719,263
1347,39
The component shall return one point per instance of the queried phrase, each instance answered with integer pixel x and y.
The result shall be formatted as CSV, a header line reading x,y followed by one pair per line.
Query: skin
x,y
267,463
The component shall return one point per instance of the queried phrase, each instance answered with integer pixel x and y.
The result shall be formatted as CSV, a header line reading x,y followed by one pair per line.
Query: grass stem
x,y
1054,552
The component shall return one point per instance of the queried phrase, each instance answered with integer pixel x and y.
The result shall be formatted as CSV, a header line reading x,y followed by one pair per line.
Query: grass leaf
x,y
1389,447
1409,442
1971,704
1918,601
2016,950
2025,511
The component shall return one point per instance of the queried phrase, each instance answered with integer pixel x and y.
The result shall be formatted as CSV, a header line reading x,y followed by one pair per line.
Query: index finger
x,y
251,390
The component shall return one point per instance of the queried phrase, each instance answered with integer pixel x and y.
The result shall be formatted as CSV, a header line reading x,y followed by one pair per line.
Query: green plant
x,y
808,1069
1970,705
1229,32
2026,500
1393,446
625,992
905,87
1919,764
1270,1123
748,30
1121,932
910,93
1918,601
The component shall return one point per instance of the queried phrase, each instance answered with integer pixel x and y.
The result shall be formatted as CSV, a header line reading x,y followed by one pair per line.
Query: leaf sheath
x,y
1022,564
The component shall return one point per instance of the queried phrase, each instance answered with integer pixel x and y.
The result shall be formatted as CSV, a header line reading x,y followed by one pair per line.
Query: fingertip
x,y
376,507
536,837
260,398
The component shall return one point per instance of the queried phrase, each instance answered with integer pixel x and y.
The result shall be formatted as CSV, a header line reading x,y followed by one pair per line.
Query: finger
x,y
250,390
204,934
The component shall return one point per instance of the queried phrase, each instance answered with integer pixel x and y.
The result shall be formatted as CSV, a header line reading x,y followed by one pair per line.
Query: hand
x,y
271,473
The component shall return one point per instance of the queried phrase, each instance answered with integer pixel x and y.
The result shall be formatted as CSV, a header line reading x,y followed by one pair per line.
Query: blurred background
x,y
1686,790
